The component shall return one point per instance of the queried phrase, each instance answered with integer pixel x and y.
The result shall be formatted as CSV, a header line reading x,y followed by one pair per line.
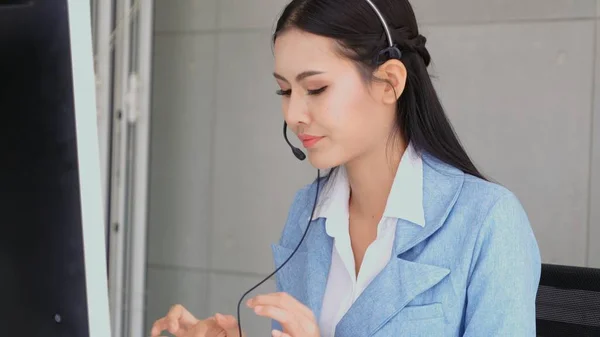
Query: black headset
x,y
390,52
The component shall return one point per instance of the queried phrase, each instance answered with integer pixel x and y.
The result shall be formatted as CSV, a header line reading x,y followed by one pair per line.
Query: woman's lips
x,y
309,141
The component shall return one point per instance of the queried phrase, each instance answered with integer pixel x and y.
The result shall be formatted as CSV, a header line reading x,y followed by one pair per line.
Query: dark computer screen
x,y
42,273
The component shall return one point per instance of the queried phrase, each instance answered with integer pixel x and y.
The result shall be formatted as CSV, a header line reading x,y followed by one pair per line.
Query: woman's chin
x,y
323,161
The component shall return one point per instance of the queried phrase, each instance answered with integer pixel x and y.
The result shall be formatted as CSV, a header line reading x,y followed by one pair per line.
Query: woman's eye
x,y
288,92
282,92
318,91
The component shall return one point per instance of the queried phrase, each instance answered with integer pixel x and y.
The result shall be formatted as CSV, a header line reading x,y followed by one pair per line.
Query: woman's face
x,y
333,111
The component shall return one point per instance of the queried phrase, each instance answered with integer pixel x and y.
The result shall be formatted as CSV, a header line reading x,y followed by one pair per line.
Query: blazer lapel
x,y
319,247
398,284
292,277
441,187
305,275
403,280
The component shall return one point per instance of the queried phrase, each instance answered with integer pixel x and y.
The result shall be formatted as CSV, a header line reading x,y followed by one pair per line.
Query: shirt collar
x,y
405,200
406,196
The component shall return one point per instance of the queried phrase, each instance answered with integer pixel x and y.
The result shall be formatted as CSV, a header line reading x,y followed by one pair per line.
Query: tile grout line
x,y
159,266
591,175
505,21
422,23
212,155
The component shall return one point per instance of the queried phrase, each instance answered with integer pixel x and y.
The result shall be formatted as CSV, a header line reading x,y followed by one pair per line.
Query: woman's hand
x,y
181,323
177,321
216,326
296,319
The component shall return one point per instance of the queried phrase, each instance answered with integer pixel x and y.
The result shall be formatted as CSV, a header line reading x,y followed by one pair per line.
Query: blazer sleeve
x,y
504,275
292,232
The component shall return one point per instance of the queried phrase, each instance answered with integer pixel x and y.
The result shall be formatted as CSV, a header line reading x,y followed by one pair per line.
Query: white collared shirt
x,y
405,201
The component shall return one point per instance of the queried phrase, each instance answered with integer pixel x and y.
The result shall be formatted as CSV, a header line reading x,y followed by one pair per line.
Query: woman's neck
x,y
371,178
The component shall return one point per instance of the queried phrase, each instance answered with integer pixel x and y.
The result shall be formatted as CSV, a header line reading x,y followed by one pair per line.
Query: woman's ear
x,y
393,76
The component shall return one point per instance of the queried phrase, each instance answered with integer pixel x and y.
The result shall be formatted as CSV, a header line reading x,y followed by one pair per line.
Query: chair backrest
x,y
568,301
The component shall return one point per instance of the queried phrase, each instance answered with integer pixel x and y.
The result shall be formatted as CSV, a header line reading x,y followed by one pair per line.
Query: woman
x,y
407,237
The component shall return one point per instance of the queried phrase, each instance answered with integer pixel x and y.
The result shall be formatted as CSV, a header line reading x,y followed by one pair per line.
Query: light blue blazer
x,y
472,271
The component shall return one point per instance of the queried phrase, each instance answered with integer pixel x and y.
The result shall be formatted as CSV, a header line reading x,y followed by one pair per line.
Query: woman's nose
x,y
297,112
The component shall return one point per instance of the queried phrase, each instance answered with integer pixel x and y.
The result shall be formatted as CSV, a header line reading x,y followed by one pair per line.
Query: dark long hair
x,y
360,35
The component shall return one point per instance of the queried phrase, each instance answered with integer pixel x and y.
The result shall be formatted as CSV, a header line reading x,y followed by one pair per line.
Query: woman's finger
x,y
277,333
282,300
293,324
178,317
206,328
229,324
163,324
158,327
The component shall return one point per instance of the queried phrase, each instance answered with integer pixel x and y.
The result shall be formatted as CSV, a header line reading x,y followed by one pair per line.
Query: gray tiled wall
x,y
520,98
517,80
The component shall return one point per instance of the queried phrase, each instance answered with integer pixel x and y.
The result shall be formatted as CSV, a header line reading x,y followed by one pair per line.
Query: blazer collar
x,y
305,276
403,280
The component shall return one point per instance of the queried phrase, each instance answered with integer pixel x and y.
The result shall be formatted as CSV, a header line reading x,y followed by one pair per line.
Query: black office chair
x,y
568,302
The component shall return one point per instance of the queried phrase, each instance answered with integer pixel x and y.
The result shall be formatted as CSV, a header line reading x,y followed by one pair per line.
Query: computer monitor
x,y
52,242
